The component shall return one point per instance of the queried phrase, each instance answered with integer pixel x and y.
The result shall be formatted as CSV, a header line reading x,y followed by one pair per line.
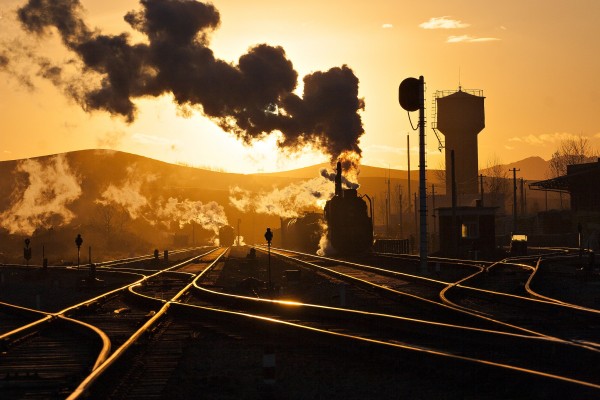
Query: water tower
x,y
459,115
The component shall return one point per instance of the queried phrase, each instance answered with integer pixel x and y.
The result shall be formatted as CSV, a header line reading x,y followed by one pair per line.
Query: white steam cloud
x,y
287,202
209,216
43,200
129,195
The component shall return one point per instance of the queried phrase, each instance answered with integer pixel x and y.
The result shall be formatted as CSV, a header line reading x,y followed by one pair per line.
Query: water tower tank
x,y
460,117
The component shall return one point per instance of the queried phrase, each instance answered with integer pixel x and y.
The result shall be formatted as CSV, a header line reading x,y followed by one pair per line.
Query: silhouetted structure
x,y
302,233
580,182
460,117
226,235
349,225
471,233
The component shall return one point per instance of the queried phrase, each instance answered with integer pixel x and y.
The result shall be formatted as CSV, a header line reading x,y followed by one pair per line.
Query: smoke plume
x,y
250,99
41,200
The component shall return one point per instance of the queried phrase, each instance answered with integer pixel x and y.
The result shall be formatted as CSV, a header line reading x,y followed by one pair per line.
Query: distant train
x,y
302,233
226,236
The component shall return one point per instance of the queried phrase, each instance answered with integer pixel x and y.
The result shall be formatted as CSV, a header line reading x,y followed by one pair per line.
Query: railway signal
x,y
78,242
411,95
27,251
269,237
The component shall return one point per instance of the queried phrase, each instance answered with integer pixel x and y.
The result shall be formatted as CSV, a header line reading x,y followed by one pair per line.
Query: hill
x,y
125,203
530,168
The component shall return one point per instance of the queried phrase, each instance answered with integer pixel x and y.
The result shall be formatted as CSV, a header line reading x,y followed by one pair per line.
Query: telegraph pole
x,y
522,197
408,156
481,188
514,171
400,210
433,206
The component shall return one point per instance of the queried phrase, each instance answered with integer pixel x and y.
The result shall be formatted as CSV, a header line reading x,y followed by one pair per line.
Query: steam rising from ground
x,y
250,100
287,202
209,216
129,196
42,200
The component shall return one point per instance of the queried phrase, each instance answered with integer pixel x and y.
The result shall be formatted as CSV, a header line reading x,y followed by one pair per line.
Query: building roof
x,y
563,183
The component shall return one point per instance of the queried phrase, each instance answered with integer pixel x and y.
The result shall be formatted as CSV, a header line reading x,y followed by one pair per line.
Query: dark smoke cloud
x,y
250,99
3,61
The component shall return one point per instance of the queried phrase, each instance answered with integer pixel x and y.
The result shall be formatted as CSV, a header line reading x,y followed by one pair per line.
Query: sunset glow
x,y
533,62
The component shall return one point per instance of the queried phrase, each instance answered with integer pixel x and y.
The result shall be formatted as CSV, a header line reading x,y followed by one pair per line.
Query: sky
x,y
537,62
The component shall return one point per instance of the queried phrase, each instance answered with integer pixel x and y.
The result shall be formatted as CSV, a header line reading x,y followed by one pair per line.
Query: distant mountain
x,y
123,203
530,168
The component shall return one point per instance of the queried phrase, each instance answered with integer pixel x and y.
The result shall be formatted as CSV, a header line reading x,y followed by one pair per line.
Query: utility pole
x,y
454,222
481,188
400,210
514,171
416,217
522,197
388,206
433,206
433,245
408,156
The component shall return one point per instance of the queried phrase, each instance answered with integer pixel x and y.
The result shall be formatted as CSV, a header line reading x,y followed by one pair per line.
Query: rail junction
x,y
245,322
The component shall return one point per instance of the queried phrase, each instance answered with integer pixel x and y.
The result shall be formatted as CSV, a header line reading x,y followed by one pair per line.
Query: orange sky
x,y
536,61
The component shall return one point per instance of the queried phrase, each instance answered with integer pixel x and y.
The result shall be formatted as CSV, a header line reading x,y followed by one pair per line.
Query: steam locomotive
x,y
226,235
349,225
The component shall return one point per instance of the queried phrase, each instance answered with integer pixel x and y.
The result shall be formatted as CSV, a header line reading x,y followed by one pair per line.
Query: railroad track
x,y
460,341
554,320
511,300
157,357
48,357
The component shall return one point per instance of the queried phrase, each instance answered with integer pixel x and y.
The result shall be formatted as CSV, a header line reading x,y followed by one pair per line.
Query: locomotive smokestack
x,y
338,179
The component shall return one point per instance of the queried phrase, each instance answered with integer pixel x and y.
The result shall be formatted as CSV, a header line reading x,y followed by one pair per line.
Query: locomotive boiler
x,y
349,224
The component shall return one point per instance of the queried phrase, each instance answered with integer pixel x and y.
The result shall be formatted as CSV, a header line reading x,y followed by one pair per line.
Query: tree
x,y
496,182
109,219
439,174
572,151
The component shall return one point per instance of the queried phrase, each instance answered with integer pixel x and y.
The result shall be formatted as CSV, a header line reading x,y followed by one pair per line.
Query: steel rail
x,y
444,304
85,385
550,299
451,305
396,346
50,317
542,302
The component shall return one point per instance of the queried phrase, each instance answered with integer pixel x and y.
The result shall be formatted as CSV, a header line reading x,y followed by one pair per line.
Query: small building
x,y
467,232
